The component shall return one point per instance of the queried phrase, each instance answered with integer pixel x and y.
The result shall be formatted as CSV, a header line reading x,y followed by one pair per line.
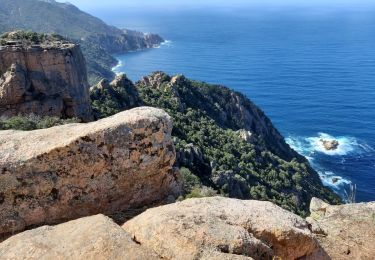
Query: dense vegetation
x,y
98,40
111,98
28,37
32,122
212,154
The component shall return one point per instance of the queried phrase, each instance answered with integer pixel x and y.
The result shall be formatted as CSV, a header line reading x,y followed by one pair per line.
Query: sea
x,y
312,71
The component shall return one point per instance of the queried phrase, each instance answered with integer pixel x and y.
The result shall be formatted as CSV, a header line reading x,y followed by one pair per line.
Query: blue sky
x,y
168,3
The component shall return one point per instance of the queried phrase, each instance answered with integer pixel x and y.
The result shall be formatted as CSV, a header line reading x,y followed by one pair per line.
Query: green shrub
x,y
189,180
201,192
18,123
32,122
29,37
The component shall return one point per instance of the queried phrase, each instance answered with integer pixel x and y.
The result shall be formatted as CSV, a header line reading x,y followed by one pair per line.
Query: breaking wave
x,y
116,69
312,148
307,146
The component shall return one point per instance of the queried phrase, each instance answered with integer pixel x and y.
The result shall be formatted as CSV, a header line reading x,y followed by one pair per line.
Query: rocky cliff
x,y
109,98
98,40
47,79
53,175
223,140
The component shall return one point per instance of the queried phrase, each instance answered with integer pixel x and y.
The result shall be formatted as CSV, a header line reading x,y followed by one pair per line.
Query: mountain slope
x,y
98,39
225,144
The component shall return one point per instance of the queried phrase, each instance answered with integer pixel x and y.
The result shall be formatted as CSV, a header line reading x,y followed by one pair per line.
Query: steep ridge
x,y
98,39
225,144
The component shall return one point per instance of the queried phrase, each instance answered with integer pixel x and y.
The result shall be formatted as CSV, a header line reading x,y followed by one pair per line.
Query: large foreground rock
x,y
53,175
44,80
345,231
94,237
222,228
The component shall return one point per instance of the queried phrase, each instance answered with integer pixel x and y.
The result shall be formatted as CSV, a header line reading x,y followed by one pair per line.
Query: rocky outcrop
x,y
53,175
114,97
46,80
345,231
222,228
126,41
231,145
330,145
94,237
228,108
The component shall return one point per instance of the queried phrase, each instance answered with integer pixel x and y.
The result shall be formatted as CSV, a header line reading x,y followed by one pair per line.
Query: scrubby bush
x,y
231,166
32,122
29,37
201,192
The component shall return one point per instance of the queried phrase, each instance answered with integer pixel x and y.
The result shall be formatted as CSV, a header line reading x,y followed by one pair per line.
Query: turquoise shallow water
x,y
312,73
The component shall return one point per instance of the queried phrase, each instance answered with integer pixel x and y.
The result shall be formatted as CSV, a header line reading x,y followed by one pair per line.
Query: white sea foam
x,y
307,146
166,43
346,144
332,180
116,68
311,146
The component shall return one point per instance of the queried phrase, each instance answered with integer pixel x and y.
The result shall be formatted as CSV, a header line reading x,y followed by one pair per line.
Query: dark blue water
x,y
313,74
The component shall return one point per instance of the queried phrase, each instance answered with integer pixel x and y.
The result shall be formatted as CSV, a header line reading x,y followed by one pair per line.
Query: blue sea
x,y
311,71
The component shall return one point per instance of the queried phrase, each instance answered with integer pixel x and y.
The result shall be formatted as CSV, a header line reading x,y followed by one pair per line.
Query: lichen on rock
x,y
95,237
216,227
53,175
344,231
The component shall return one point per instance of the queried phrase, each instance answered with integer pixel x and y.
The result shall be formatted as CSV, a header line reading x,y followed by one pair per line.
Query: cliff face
x,y
53,175
113,97
44,80
127,41
224,141
98,40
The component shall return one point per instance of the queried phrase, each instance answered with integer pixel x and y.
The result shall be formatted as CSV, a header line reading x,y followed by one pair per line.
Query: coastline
x,y
119,64
325,175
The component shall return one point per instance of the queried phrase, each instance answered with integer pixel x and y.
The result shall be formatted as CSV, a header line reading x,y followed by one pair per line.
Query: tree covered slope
x,y
225,144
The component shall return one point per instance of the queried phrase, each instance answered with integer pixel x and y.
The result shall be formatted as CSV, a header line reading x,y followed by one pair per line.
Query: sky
x,y
92,4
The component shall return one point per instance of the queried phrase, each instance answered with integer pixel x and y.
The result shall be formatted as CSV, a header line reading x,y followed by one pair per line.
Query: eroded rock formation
x,y
225,228
113,97
345,231
330,145
46,80
53,175
207,229
95,237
